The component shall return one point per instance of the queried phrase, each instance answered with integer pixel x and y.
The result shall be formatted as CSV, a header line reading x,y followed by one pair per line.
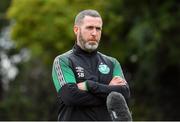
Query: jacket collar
x,y
77,49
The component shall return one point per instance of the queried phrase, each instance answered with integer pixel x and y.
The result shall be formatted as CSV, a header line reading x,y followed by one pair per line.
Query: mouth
x,y
92,42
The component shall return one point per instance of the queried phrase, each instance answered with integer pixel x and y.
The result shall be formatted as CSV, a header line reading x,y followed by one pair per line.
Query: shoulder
x,y
63,56
110,58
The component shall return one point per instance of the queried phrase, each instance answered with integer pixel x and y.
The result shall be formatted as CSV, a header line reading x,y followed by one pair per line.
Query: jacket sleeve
x,y
66,87
102,90
71,95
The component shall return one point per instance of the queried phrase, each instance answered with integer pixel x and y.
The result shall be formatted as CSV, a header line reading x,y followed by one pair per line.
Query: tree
x,y
137,33
3,22
147,35
45,28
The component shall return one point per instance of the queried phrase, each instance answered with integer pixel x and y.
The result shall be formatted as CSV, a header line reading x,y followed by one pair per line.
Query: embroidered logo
x,y
80,72
103,68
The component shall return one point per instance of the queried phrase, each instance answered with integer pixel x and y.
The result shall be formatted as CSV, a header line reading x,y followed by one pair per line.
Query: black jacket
x,y
97,70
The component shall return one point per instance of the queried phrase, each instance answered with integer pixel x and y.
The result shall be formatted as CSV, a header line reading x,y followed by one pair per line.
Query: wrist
x,y
85,86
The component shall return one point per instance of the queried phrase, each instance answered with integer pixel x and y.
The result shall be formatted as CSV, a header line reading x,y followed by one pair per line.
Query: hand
x,y
117,80
82,86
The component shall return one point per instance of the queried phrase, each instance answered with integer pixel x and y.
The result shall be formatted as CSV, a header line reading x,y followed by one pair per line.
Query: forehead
x,y
93,21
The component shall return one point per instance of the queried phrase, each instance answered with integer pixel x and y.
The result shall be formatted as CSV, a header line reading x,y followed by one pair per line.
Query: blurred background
x,y
144,35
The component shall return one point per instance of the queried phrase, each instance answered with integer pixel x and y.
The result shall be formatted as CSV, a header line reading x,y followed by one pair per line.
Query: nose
x,y
94,32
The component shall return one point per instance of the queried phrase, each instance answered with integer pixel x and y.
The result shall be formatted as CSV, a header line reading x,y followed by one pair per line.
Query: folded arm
x,y
118,84
68,91
102,90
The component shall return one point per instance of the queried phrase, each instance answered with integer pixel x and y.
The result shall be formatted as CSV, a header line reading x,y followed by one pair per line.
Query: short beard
x,y
87,46
90,47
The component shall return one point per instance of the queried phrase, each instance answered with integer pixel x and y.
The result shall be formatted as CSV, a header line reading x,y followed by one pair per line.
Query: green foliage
x,y
142,34
41,25
3,6
46,26
31,96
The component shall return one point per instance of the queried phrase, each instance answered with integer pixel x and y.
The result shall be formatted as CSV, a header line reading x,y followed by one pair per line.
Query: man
x,y
83,77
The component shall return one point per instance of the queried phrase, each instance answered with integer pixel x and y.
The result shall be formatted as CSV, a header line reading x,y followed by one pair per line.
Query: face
x,y
89,33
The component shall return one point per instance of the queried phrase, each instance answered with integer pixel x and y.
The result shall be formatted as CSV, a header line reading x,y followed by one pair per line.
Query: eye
x,y
98,28
90,27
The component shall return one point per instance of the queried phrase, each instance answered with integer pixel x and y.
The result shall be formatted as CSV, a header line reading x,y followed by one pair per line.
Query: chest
x,y
97,69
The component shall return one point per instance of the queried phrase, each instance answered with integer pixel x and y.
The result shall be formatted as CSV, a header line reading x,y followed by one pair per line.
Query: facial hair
x,y
88,46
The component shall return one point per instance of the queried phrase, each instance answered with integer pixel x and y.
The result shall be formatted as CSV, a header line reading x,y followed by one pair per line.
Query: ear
x,y
76,29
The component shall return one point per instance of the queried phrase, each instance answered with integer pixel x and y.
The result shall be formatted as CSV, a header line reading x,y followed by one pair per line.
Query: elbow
x,y
68,94
126,92
67,101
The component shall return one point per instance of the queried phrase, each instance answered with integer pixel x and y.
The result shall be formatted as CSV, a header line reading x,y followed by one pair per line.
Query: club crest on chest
x,y
103,68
